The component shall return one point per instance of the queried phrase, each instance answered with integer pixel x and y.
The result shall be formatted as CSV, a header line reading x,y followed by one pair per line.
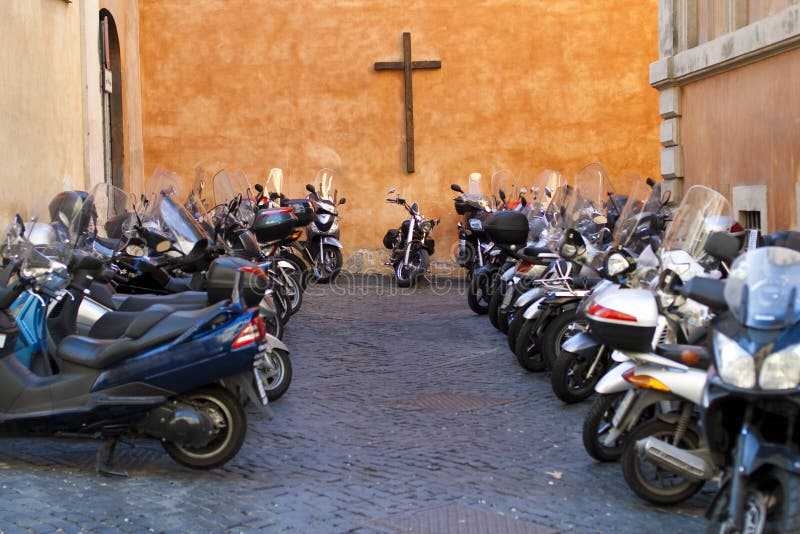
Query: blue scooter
x,y
176,376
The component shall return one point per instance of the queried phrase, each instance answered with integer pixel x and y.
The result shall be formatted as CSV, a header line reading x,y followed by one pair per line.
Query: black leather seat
x,y
115,324
145,333
187,300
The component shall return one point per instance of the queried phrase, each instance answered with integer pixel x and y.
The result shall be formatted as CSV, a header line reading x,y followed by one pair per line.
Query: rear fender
x,y
533,310
529,296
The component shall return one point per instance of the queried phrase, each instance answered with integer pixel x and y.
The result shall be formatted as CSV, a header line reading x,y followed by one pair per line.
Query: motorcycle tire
x,y
635,469
278,379
597,423
326,270
495,302
232,431
417,265
568,376
274,325
302,272
782,516
281,306
527,350
479,292
558,329
514,326
294,294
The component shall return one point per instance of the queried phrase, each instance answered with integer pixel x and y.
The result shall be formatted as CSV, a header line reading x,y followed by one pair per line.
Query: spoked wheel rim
x,y
577,381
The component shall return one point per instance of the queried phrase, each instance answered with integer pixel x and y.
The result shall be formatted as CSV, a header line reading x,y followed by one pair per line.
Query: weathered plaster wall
x,y
126,17
742,127
41,141
525,85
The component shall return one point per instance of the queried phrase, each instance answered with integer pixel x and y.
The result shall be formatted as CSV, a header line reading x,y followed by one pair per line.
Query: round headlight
x,y
568,250
134,250
616,263
781,370
735,365
426,227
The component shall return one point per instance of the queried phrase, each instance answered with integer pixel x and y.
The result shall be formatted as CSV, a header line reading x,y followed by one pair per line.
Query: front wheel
x,y
479,293
230,427
326,268
598,423
574,376
407,274
649,481
558,330
527,350
772,504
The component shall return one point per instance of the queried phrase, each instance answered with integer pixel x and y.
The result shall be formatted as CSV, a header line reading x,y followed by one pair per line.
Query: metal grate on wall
x,y
751,220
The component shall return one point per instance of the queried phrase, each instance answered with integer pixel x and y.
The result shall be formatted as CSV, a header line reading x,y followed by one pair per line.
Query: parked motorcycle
x,y
175,376
473,244
410,245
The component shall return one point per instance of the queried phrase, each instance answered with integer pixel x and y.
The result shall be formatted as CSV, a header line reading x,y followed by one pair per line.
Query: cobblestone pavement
x,y
406,412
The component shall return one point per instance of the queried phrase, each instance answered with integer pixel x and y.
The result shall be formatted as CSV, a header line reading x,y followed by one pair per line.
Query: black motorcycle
x,y
410,245
751,405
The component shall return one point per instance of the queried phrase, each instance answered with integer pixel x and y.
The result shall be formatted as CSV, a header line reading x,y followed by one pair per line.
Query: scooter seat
x,y
187,300
115,324
103,353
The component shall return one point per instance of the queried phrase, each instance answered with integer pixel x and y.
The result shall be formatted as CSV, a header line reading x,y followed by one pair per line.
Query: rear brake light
x,y
607,313
644,381
254,332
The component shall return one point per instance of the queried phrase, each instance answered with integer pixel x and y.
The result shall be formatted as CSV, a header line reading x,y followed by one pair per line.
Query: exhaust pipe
x,y
674,459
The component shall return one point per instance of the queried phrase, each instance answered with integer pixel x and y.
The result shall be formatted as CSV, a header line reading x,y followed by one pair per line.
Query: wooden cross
x,y
407,66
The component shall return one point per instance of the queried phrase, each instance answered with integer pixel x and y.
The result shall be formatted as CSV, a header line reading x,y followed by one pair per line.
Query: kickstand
x,y
105,456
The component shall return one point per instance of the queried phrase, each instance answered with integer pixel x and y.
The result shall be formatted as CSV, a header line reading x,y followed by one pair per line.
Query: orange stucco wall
x,y
524,85
742,127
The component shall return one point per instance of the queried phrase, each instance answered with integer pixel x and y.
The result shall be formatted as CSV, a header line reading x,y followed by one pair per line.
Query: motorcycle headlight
x,y
735,365
426,227
616,264
568,250
334,226
781,370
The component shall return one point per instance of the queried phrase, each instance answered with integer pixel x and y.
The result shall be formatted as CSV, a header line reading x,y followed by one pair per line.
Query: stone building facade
x,y
728,76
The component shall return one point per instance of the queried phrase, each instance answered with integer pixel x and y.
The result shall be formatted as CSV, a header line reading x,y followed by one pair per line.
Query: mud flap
x,y
241,386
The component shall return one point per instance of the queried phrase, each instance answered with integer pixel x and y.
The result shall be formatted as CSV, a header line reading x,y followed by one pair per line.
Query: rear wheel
x,y
495,301
277,373
230,427
649,481
514,327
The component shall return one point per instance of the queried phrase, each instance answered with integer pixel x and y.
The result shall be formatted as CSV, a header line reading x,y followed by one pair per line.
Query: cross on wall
x,y
407,66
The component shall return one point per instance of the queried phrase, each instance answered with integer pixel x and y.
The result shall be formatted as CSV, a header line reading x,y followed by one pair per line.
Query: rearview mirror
x,y
342,200
310,188
392,190
456,188
548,192
414,208
259,188
502,195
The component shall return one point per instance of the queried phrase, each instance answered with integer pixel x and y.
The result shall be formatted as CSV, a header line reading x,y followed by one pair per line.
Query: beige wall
x,y
41,139
524,84
743,128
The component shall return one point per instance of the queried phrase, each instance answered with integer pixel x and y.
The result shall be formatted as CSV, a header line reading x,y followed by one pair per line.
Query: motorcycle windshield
x,y
164,181
586,209
474,185
274,182
43,245
230,187
113,214
546,184
324,184
702,212
197,203
762,288
557,217
642,203
505,185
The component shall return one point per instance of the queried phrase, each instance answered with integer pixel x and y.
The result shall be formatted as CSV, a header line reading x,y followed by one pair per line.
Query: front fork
x,y
409,240
738,477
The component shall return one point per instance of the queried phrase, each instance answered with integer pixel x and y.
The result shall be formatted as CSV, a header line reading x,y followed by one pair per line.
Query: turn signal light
x,y
607,313
644,381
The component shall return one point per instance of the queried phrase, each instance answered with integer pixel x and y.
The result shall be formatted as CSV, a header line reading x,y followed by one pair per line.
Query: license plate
x,y
258,379
622,411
